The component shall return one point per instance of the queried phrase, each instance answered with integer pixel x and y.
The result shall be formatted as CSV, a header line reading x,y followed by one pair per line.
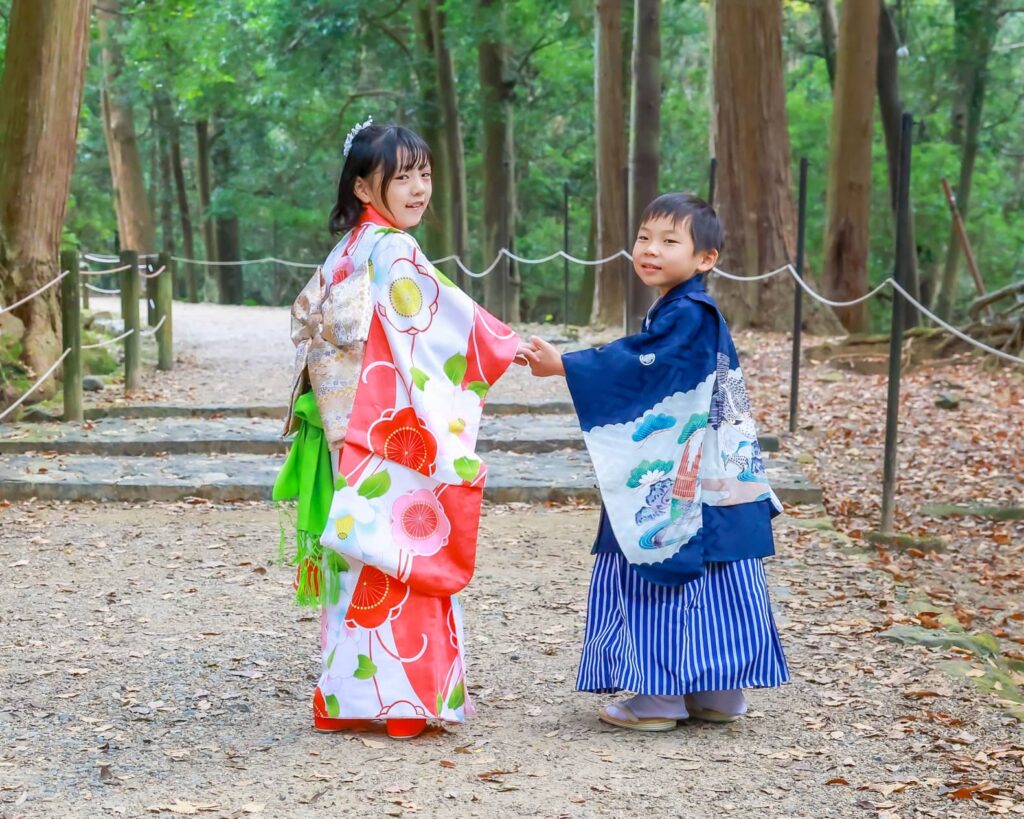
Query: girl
x,y
398,361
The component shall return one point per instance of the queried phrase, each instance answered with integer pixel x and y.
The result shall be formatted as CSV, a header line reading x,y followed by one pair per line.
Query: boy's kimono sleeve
x,y
667,423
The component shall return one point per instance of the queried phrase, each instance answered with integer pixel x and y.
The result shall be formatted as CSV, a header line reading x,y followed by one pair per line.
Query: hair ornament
x,y
352,134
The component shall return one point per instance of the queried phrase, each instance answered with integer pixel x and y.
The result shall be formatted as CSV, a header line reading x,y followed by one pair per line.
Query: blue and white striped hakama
x,y
712,634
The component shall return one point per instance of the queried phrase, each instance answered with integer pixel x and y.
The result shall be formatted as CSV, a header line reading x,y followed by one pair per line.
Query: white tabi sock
x,y
730,701
645,706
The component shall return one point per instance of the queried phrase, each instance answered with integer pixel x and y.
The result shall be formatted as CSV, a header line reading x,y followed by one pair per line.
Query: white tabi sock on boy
x,y
647,706
717,706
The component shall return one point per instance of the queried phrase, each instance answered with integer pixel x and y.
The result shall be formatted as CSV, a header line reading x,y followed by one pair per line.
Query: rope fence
x,y
35,386
31,296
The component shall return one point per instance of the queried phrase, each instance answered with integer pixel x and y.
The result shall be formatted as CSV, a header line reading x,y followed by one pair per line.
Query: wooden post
x,y
892,410
965,242
152,312
84,292
164,305
71,320
798,300
130,313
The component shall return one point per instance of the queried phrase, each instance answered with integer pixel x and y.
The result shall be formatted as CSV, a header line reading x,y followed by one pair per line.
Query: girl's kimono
x,y
400,535
678,600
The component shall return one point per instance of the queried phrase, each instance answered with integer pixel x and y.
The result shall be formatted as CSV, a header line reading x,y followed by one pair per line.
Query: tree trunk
x,y
501,290
975,25
610,163
754,185
437,223
203,178
845,273
452,135
890,107
166,179
645,132
40,98
135,224
229,277
827,17
191,283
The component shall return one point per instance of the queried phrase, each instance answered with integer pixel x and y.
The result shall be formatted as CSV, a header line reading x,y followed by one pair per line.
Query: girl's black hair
x,y
705,228
376,146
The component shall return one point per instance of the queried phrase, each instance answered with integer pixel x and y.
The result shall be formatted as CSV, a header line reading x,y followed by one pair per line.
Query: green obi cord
x,y
307,476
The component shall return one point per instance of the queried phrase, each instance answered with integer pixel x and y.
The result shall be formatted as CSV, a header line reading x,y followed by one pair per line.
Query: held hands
x,y
543,358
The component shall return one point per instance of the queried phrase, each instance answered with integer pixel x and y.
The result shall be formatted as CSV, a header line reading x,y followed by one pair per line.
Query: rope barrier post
x,y
130,314
152,311
565,249
892,409
629,319
712,174
83,290
164,306
71,327
798,300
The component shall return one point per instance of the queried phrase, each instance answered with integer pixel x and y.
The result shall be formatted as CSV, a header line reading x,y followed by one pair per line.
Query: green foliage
x,y
282,81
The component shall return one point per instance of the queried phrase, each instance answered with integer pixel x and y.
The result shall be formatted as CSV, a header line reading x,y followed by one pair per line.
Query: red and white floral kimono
x,y
401,537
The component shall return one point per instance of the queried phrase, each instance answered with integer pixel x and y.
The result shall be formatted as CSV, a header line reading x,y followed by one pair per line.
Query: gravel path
x,y
153,663
243,355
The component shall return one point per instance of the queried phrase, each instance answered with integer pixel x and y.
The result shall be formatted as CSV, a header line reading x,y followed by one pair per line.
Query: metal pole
x,y
712,174
130,314
798,300
892,410
629,309
565,249
71,320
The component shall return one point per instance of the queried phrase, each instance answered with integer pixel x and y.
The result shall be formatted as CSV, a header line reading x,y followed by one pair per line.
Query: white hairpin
x,y
352,134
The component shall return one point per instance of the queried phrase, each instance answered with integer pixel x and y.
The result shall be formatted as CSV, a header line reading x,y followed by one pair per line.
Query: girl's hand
x,y
544,358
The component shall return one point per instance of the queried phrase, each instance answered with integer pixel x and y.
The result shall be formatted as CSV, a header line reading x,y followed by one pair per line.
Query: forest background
x,y
213,129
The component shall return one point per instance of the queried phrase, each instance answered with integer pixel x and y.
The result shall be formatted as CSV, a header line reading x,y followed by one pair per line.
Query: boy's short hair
x,y
705,228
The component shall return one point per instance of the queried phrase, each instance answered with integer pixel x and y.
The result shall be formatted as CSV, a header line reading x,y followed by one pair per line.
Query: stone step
x,y
153,411
254,435
529,478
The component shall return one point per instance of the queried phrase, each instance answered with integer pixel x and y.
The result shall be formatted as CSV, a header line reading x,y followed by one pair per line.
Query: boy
x,y
678,611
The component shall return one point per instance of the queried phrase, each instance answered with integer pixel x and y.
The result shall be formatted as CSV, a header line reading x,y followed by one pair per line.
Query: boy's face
x,y
663,255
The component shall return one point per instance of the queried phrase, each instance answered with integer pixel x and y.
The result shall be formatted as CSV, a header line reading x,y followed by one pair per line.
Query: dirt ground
x,y
154,664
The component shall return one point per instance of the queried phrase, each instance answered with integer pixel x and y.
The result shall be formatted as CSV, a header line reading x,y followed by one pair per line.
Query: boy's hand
x,y
521,352
544,358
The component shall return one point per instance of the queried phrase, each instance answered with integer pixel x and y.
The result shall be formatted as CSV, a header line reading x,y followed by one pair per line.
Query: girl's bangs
x,y
413,152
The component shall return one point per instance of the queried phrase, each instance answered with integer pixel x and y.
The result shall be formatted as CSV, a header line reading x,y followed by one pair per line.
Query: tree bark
x,y
501,289
610,163
191,282
229,277
827,18
890,107
203,179
753,190
975,25
452,135
166,180
437,224
845,273
135,224
40,98
645,133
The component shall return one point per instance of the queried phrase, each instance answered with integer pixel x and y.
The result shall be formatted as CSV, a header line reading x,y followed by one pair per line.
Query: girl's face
x,y
408,194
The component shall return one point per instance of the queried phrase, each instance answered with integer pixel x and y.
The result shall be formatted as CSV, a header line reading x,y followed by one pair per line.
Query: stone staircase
x,y
534,452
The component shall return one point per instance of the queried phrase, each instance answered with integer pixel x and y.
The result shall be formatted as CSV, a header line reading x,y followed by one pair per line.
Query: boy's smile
x,y
663,255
